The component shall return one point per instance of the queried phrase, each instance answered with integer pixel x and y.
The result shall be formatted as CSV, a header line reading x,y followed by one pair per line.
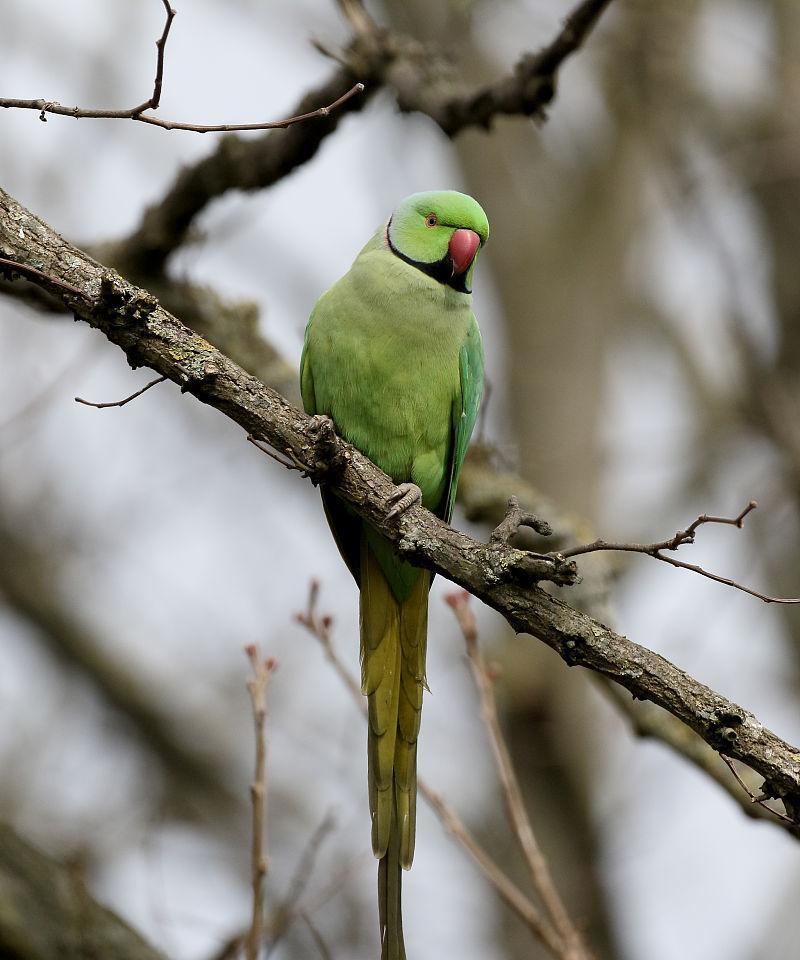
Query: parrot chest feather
x,y
387,370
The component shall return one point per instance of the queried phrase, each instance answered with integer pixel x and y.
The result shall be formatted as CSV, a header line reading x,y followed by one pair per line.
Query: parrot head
x,y
440,233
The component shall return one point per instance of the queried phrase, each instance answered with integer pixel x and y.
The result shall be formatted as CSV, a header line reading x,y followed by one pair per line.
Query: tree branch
x,y
648,721
376,57
236,164
31,588
46,913
655,550
503,577
519,821
526,91
45,107
421,83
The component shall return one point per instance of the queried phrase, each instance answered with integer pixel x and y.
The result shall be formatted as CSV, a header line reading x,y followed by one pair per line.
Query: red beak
x,y
463,246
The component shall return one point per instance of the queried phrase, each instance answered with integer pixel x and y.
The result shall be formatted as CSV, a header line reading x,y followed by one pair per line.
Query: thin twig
x,y
120,403
753,798
681,538
257,688
678,540
11,267
515,805
508,891
515,518
648,720
161,46
45,107
319,626
79,113
319,941
289,909
293,464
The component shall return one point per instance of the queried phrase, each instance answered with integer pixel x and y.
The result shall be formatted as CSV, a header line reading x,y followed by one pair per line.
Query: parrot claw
x,y
405,496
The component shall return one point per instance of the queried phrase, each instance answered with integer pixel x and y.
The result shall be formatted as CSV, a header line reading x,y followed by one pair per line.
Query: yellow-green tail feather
x,y
393,639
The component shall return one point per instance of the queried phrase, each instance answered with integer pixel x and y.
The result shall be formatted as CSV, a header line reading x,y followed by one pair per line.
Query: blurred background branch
x,y
48,914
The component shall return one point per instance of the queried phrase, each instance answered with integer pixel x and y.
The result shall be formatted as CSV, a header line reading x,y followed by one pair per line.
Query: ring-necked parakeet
x,y
393,356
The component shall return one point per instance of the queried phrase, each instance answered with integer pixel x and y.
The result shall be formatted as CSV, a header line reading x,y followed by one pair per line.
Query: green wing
x,y
307,379
345,525
465,409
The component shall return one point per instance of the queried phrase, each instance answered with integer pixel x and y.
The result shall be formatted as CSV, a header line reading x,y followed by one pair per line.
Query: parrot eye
x,y
431,220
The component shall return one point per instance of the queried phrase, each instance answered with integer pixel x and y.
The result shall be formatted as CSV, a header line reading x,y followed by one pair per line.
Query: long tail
x,y
393,638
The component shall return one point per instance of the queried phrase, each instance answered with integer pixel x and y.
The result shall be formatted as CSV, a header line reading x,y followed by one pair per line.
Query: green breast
x,y
383,345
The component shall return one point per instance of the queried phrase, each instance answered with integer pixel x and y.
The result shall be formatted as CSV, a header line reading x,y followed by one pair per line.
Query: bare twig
x,y
681,538
161,46
120,403
527,90
319,940
515,518
320,627
57,109
507,890
753,798
678,540
379,59
51,107
289,909
293,464
648,720
10,267
541,877
257,688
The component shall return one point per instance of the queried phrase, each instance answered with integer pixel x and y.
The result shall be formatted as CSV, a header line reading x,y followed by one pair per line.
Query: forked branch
x,y
51,107
681,538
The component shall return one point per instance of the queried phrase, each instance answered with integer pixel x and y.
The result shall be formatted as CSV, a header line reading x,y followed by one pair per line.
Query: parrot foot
x,y
405,496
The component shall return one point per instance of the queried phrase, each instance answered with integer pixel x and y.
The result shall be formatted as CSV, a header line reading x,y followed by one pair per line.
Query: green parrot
x,y
393,356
